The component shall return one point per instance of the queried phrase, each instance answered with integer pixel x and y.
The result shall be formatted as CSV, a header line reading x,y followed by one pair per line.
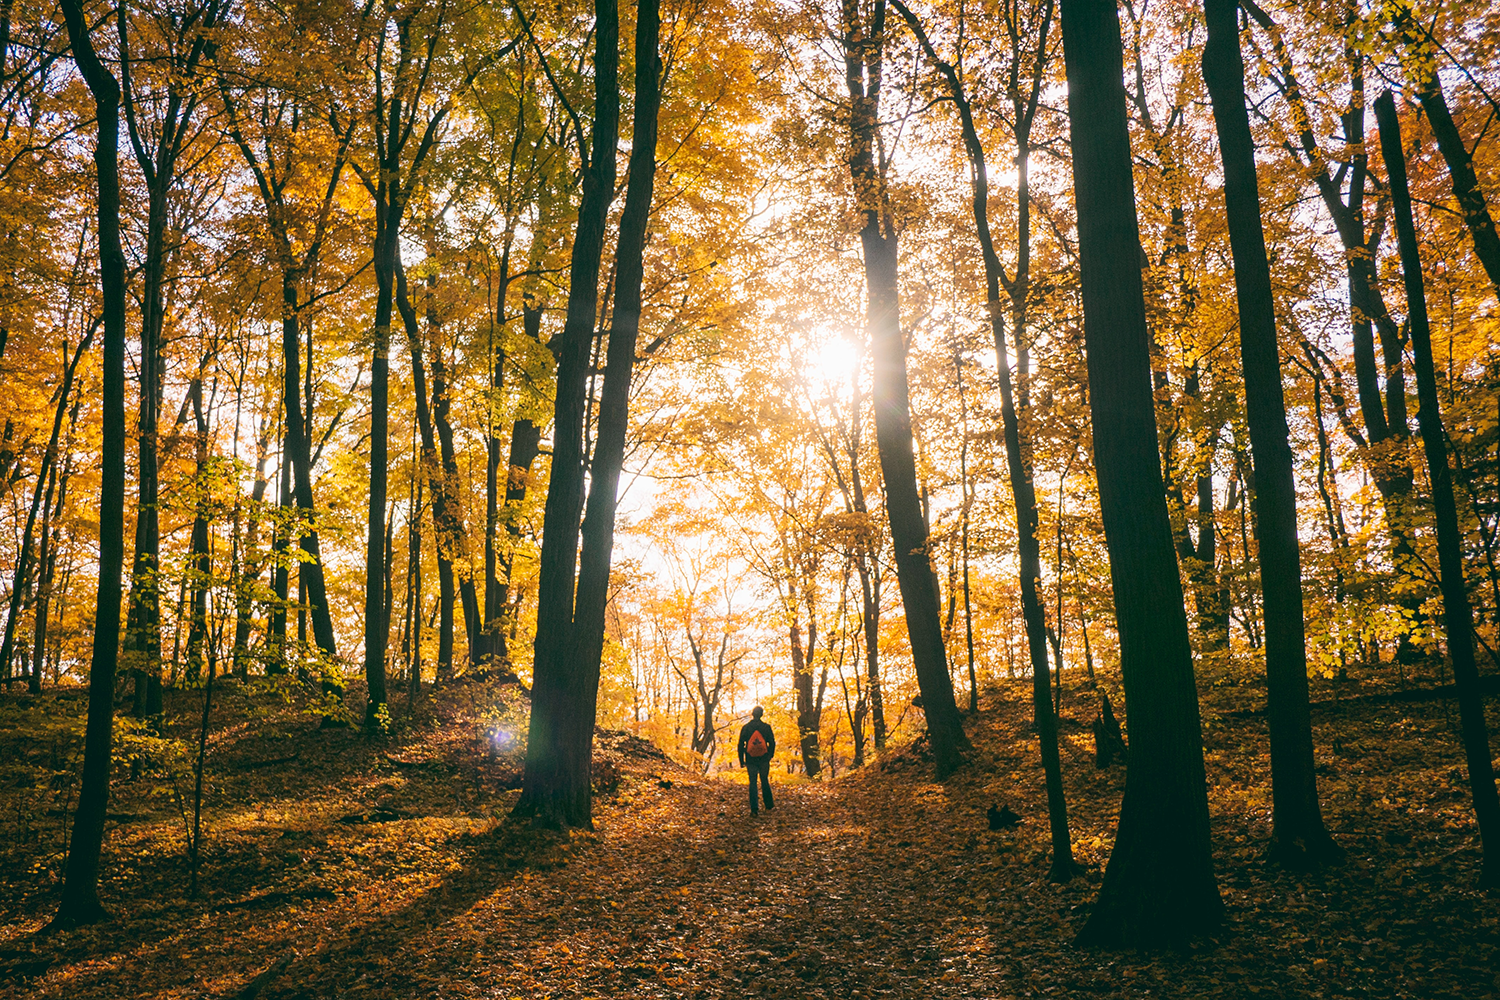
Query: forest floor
x,y
336,866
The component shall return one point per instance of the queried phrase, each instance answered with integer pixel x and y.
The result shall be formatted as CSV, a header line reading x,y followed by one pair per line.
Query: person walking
x,y
757,747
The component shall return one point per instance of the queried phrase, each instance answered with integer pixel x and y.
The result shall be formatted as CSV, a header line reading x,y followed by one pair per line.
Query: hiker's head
x,y
757,711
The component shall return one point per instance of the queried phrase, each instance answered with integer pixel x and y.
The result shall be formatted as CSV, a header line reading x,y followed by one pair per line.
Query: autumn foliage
x,y
428,428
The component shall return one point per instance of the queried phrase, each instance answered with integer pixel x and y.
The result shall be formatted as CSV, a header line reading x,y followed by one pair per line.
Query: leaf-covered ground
x,y
341,867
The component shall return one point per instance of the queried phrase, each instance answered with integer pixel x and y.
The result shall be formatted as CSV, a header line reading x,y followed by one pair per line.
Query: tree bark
x,y
458,538
80,892
1159,886
158,164
809,714
387,245
1298,836
1457,612
198,559
556,788
598,530
525,442
1466,190
915,576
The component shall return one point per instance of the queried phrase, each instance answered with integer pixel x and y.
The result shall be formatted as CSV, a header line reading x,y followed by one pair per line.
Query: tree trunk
x,y
559,745
1466,190
39,495
143,641
587,636
1023,491
445,530
867,563
281,576
1457,613
1159,886
915,575
299,451
249,568
80,892
198,560
809,719
158,163
458,531
1298,836
963,468
386,251
46,564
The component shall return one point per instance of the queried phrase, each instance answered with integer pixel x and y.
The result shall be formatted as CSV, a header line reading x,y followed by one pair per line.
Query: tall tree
x,y
80,893
1383,444
276,128
1023,491
40,500
863,50
448,529
409,43
1159,885
1457,613
161,126
568,799
556,790
1298,836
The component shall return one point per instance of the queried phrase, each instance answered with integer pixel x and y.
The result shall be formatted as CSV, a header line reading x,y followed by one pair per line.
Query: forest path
x,y
882,883
846,889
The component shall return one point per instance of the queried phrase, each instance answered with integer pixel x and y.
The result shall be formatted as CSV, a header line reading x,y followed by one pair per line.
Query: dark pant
x,y
760,769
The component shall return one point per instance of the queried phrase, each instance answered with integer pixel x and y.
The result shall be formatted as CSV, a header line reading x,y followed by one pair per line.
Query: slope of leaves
x,y
348,867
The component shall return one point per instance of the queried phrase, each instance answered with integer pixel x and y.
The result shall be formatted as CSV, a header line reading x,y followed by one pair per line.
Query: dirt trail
x,y
682,894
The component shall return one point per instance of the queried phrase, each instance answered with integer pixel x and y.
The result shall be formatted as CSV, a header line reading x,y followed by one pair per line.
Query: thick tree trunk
x,y
1457,612
1298,836
559,743
80,892
586,640
1159,886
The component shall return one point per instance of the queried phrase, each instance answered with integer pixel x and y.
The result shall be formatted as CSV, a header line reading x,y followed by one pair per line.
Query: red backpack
x,y
756,745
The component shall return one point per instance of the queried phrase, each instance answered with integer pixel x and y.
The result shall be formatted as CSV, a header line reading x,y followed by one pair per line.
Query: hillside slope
x,y
346,868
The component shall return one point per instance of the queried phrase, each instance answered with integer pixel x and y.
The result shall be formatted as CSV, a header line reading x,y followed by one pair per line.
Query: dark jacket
x,y
765,730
